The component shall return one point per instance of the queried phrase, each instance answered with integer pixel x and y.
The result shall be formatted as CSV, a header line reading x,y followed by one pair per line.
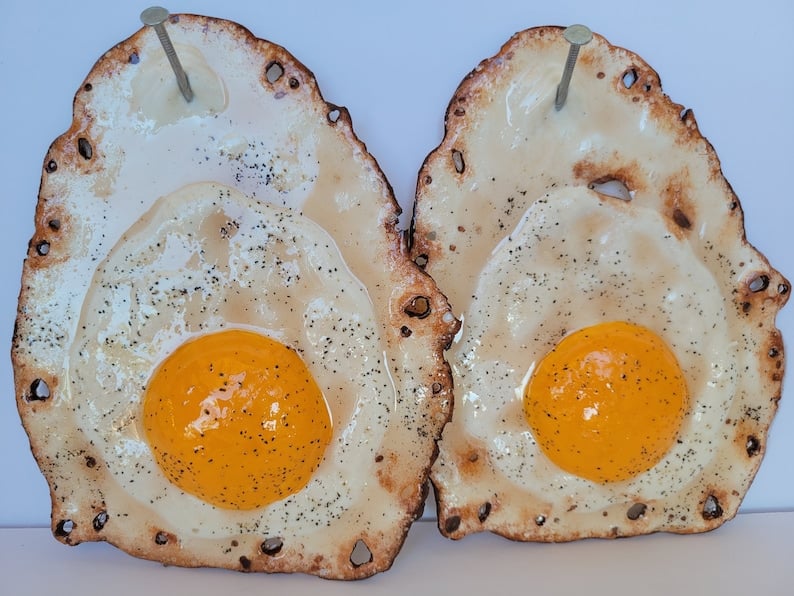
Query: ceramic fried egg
x,y
618,365
223,356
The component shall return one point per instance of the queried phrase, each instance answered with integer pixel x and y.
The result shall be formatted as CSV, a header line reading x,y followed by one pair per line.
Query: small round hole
x,y
43,248
51,166
636,511
134,58
421,261
64,527
540,520
405,331
782,289
39,390
753,446
274,72
84,148
436,388
294,83
418,307
758,283
245,563
272,546
333,115
161,538
629,78
712,508
484,511
54,224
100,520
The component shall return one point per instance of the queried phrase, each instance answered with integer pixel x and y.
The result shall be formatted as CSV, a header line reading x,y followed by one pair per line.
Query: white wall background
x,y
395,66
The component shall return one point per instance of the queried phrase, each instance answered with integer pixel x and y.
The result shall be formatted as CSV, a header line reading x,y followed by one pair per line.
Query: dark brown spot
x,y
272,546
746,307
273,72
484,511
421,261
235,544
294,83
460,111
457,160
418,307
712,508
405,331
758,283
600,75
436,388
51,166
733,205
680,218
39,390
428,179
90,461
753,446
100,520
88,86
452,524
245,563
636,511
64,528
774,352
55,224
360,555
84,148
378,458
161,538
42,248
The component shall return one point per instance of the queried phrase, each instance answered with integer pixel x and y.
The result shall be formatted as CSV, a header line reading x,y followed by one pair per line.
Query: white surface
x,y
749,555
395,67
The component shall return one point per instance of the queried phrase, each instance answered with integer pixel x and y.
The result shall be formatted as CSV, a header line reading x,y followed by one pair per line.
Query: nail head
x,y
154,15
578,35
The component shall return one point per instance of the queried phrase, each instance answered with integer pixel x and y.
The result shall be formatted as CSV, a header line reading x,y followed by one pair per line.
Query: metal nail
x,y
155,17
577,36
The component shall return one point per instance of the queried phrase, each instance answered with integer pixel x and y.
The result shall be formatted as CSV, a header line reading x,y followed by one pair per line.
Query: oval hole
x,y
457,160
612,188
629,78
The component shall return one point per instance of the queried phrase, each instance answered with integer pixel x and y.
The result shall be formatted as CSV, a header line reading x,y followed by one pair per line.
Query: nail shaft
x,y
577,36
156,17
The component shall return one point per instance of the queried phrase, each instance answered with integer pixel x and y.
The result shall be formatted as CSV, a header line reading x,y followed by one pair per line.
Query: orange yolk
x,y
236,419
607,402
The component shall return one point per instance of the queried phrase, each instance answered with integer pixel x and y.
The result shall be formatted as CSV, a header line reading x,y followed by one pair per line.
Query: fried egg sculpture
x,y
223,355
618,365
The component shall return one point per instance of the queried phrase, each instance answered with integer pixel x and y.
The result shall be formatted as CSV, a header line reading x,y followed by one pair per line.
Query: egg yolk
x,y
236,419
607,402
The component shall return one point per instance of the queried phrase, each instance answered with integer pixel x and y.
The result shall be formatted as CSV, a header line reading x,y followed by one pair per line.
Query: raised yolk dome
x,y
607,402
236,419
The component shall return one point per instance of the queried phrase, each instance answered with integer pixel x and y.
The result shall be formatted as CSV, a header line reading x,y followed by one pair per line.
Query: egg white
x,y
207,258
575,260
